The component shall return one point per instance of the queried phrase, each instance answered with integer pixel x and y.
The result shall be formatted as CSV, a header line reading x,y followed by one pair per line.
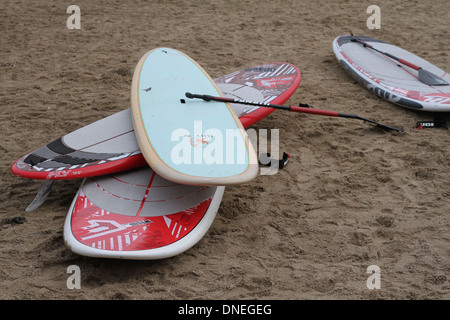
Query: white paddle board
x,y
390,79
189,142
139,215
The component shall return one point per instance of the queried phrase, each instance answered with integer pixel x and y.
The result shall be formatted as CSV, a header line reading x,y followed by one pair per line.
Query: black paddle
x,y
424,76
289,108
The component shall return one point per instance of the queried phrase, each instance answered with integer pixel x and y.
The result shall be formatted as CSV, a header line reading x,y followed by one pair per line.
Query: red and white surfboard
x,y
138,215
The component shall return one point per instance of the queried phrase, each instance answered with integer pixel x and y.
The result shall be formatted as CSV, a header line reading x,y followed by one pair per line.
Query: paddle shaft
x,y
288,108
402,61
264,104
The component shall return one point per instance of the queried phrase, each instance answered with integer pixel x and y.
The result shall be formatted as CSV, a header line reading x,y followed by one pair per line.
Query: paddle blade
x,y
383,126
431,79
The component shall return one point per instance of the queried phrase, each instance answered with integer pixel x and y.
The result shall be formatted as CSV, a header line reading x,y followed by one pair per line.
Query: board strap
x,y
266,160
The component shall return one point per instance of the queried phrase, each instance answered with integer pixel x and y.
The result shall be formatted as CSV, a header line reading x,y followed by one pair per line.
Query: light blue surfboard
x,y
187,141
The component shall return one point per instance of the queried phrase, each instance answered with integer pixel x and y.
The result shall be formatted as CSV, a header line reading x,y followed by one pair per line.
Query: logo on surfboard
x,y
275,82
99,228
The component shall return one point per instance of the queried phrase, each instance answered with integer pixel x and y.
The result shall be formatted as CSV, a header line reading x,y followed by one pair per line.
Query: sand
x,y
351,196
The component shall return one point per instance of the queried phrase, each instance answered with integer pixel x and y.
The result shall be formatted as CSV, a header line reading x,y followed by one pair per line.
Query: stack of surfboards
x,y
154,175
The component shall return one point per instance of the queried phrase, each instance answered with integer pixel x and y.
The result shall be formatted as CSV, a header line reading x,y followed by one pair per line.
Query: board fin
x,y
43,192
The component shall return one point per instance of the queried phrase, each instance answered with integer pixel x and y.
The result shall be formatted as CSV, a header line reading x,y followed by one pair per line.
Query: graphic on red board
x,y
101,229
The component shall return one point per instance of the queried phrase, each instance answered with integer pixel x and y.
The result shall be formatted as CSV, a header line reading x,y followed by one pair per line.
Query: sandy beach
x,y
351,196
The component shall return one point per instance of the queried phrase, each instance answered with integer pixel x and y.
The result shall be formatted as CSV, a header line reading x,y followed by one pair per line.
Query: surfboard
x,y
137,214
390,79
105,146
109,145
187,141
271,83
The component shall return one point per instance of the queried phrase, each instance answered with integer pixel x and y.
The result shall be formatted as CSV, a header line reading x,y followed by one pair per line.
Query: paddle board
x,y
390,79
109,145
137,214
187,141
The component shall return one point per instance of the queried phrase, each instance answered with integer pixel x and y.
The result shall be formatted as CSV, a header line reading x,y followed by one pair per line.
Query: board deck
x,y
139,215
187,141
109,145
388,78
